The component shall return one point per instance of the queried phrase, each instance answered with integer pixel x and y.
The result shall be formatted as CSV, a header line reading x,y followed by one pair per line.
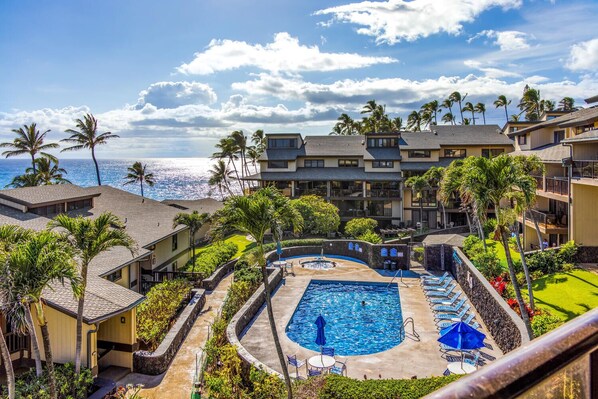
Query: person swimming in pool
x,y
362,303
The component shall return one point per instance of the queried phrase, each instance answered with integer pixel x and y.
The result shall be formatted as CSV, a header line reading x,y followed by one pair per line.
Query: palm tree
x,y
48,172
220,176
241,145
433,108
194,221
254,155
471,108
345,125
448,118
456,97
228,150
414,121
88,137
434,177
480,108
515,117
263,211
418,184
397,124
546,106
503,183
530,103
4,351
426,118
26,180
138,174
88,238
43,259
30,141
258,138
567,104
448,104
502,101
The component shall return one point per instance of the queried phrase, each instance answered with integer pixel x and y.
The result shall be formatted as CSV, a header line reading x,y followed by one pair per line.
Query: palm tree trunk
x,y
79,328
93,156
43,324
33,339
230,160
516,288
461,111
528,278
537,227
10,372
283,363
506,113
484,116
142,197
421,215
473,117
33,163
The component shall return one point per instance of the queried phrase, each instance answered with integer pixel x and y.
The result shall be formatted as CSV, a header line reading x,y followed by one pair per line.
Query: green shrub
x,y
238,293
546,262
28,386
371,237
206,263
159,309
319,217
285,244
489,227
568,267
545,322
470,244
567,252
244,272
337,387
487,262
359,226
418,254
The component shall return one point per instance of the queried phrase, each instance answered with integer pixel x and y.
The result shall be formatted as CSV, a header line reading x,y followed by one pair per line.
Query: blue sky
x,y
173,77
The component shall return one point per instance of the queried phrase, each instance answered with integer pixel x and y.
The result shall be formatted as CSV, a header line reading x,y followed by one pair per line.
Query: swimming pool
x,y
352,328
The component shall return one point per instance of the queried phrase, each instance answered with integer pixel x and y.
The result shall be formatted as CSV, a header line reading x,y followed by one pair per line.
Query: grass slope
x,y
500,251
243,244
567,295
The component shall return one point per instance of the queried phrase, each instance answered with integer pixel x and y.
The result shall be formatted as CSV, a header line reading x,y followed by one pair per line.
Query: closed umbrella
x,y
320,335
462,336
278,249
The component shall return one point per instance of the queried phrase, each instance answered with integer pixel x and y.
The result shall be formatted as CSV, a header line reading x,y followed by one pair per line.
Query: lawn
x,y
500,251
242,242
567,295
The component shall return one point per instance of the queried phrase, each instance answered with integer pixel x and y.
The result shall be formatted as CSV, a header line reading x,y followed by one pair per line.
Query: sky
x,y
173,77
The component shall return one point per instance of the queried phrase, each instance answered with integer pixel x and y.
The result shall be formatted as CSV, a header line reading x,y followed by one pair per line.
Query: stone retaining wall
x,y
154,363
210,283
438,257
244,316
506,327
587,255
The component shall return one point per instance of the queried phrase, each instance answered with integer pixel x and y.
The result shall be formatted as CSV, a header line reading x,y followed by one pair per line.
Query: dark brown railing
x,y
560,364
548,220
587,169
352,213
16,342
539,182
346,192
320,191
557,185
383,193
158,277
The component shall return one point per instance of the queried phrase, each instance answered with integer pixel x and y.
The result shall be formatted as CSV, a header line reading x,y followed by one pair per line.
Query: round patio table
x,y
461,368
321,361
279,263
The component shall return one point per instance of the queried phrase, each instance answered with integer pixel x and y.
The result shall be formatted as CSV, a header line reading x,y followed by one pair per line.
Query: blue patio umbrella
x,y
462,336
278,249
320,336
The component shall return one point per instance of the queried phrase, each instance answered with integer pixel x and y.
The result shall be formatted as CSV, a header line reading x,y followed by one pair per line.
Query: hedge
x,y
287,243
211,258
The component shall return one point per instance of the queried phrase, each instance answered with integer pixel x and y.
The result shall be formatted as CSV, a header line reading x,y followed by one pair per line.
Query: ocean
x,y
175,178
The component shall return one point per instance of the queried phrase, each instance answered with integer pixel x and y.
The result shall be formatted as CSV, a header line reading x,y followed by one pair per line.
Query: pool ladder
x,y
403,333
400,271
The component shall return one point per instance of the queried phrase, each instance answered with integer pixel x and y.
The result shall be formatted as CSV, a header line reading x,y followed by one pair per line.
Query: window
x,y
513,129
175,265
419,153
383,164
278,164
522,140
117,275
282,143
559,136
314,163
383,142
175,242
451,153
348,163
428,198
492,152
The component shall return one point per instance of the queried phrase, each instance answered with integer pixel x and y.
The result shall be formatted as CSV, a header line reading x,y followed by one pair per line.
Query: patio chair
x,y
327,351
450,308
340,368
436,283
431,279
441,294
445,301
441,287
467,320
450,316
475,361
293,361
313,372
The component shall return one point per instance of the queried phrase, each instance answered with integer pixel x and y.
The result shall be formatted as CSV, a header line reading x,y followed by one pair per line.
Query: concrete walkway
x,y
177,381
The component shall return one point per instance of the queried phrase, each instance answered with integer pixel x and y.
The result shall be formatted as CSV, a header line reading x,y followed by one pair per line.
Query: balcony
x,y
352,213
394,194
587,169
549,223
319,191
346,192
555,185
16,342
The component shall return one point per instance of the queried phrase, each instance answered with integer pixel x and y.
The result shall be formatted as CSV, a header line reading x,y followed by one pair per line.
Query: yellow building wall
x,y
124,280
434,156
114,330
585,217
292,166
531,238
163,250
368,167
587,151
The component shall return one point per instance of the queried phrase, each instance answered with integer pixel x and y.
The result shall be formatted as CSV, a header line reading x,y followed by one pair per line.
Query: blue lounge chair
x,y
436,281
450,308
441,287
445,301
467,320
431,277
441,294
450,316
293,361
475,361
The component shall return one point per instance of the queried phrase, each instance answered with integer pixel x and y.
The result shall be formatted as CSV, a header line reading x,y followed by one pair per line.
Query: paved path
x,y
177,381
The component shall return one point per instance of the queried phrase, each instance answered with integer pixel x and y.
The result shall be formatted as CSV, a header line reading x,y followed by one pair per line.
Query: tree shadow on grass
x,y
541,284
567,312
582,279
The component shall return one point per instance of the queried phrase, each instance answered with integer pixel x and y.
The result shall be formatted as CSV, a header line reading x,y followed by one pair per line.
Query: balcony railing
x,y
383,193
352,213
539,182
557,185
384,213
16,342
546,219
588,169
320,191
346,192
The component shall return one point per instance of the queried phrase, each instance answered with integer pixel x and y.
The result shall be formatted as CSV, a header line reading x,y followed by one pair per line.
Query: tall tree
x,y
470,108
448,104
88,238
87,137
480,108
414,121
397,124
567,104
138,174
227,150
220,176
30,141
433,108
434,177
418,185
456,97
194,221
448,118
530,103
49,171
258,138
346,126
241,146
256,214
43,259
26,180
502,101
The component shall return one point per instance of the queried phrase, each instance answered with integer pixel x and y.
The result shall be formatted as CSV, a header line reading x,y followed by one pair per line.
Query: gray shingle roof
x,y
590,135
552,153
424,166
571,119
207,205
455,240
325,174
45,194
471,135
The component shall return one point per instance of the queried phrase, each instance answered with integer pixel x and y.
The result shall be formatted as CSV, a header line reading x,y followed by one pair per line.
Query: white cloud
x,y
584,56
490,71
507,40
392,21
284,54
175,94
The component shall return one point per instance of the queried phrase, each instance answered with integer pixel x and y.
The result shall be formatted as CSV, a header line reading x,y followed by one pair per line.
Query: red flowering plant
x,y
500,285
512,302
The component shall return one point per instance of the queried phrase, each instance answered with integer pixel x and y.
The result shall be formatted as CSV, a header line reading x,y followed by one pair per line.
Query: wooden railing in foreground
x,y
560,364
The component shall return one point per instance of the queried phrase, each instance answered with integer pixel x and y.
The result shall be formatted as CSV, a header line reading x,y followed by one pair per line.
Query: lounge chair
x,y
293,361
467,320
450,316
441,294
475,361
450,308
441,287
445,301
434,280
340,368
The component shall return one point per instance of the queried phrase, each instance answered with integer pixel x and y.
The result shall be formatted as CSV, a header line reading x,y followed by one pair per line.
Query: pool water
x,y
351,327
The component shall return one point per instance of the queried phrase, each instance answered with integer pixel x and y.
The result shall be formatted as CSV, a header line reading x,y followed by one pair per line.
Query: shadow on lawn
x,y
568,313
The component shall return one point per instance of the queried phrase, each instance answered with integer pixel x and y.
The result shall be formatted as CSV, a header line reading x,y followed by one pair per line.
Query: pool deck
x,y
408,359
